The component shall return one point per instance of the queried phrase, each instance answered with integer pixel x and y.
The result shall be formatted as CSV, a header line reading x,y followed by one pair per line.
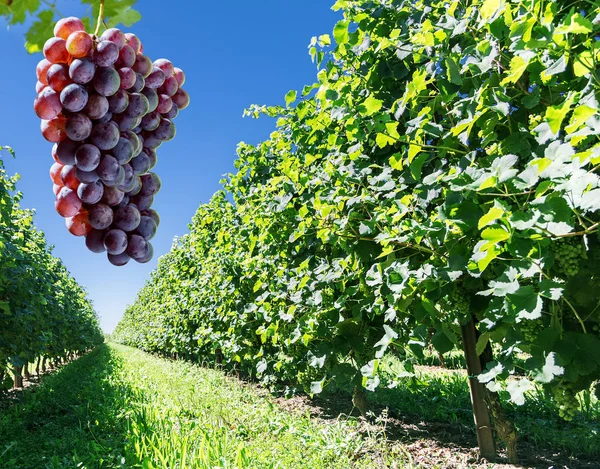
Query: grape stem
x,y
100,18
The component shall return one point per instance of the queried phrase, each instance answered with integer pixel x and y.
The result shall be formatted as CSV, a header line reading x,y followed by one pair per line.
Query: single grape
x,y
87,176
79,224
55,170
152,157
137,186
114,35
151,184
169,87
156,78
179,75
151,120
151,141
126,57
118,260
41,70
152,97
164,104
147,227
79,44
123,151
90,193
141,163
65,151
166,66
107,81
139,84
106,118
108,169
127,186
125,122
106,53
39,86
68,176
82,71
148,256
56,188
101,216
172,114
137,247
127,77
105,136
112,196
55,50
165,130
53,130
64,27
118,102
96,107
67,203
135,141
115,241
133,42
74,97
58,77
138,105
128,173
142,202
87,157
47,105
152,214
142,65
116,182
181,98
94,241
78,127
123,203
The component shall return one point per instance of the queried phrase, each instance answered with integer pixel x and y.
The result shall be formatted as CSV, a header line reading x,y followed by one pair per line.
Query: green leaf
x,y
518,65
340,32
495,235
40,31
575,24
384,140
453,71
442,342
493,214
372,105
290,97
549,370
556,114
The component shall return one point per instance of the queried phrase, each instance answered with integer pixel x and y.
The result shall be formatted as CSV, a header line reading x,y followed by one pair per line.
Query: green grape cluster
x,y
566,400
567,255
531,329
457,303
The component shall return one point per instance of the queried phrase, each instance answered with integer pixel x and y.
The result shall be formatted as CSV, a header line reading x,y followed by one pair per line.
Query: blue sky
x,y
234,54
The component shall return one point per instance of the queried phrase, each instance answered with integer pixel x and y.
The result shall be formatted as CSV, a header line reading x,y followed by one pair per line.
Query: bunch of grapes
x,y
567,256
457,303
107,108
566,400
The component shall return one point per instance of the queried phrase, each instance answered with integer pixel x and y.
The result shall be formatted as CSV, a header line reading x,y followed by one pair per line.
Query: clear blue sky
x,y
234,54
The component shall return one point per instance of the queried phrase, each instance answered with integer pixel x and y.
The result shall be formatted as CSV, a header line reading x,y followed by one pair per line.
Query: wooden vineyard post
x,y
481,415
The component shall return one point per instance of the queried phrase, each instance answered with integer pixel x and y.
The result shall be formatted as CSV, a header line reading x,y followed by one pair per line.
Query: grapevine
x,y
107,108
566,400
568,255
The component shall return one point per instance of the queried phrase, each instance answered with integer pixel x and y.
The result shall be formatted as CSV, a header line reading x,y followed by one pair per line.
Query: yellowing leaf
x,y
580,115
490,8
575,24
372,105
495,235
493,214
518,65
583,64
556,114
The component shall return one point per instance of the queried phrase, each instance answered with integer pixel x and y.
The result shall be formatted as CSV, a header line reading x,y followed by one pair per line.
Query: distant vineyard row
x,y
437,185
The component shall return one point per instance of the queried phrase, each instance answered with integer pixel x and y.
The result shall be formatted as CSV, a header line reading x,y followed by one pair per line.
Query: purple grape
x,y
151,141
152,97
123,151
112,196
147,227
181,98
152,157
150,184
142,65
90,193
152,214
127,77
115,36
107,81
106,53
78,127
123,203
139,84
118,260
164,104
105,136
65,151
87,157
148,255
87,177
115,241
101,216
142,202
137,187
138,105
135,141
165,130
165,65
155,79
172,114
82,71
74,97
137,247
141,163
94,241
118,102
108,117
151,121
127,218
126,57
116,182
108,169
96,107
169,87
127,123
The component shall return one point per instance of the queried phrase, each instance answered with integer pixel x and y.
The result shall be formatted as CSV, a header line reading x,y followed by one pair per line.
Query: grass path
x,y
118,407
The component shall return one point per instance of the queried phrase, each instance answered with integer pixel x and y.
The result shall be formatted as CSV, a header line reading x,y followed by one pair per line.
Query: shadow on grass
x,y
436,413
71,420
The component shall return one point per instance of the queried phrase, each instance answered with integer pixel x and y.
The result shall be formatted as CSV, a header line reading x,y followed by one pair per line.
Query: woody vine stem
x,y
100,18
